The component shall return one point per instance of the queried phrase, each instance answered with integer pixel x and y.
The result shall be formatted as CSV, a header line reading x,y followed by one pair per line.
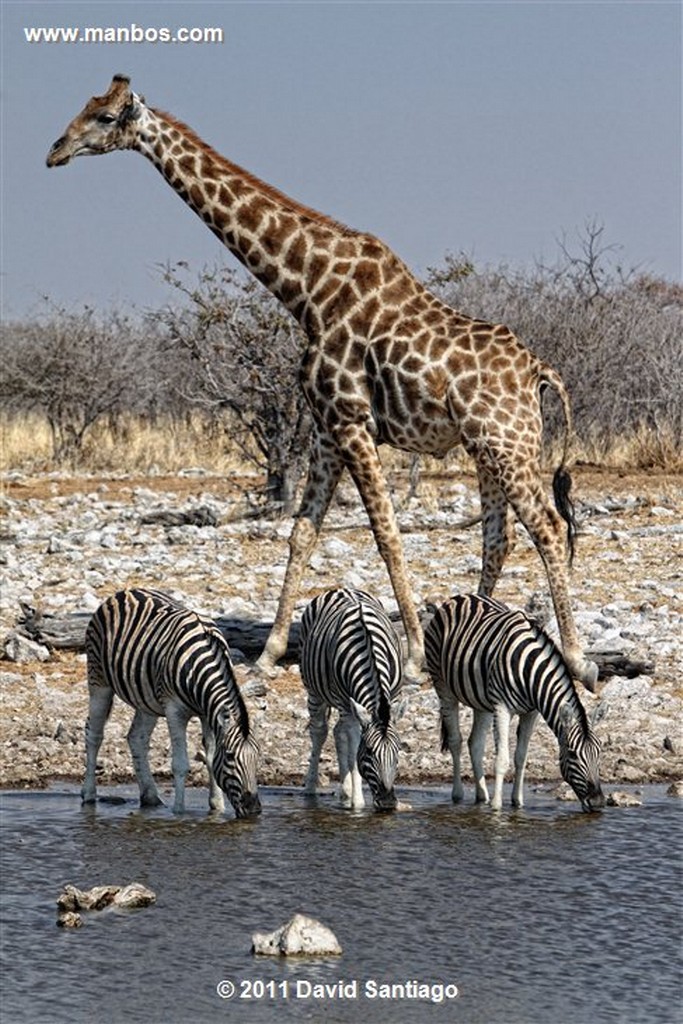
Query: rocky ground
x,y
68,542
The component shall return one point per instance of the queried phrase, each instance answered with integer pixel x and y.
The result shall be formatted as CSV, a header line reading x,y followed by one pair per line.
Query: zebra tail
x,y
562,481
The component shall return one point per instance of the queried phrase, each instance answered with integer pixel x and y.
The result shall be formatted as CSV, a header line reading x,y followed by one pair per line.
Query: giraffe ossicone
x,y
386,362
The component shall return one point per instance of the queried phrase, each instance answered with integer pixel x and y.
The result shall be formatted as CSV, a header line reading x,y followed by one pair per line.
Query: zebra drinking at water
x,y
494,660
166,661
351,660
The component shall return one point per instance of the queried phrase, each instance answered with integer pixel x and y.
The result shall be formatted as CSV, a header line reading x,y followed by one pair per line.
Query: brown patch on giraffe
x,y
187,163
336,345
251,214
413,363
289,290
344,299
317,267
197,197
436,348
296,254
367,275
361,322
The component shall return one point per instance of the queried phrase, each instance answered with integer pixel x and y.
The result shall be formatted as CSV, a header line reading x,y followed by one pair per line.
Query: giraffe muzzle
x,y
54,157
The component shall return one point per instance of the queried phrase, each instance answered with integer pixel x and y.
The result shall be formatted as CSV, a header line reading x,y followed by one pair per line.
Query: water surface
x,y
536,916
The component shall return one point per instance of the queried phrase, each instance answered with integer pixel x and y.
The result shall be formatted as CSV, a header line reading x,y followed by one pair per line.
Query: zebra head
x,y
235,762
378,750
580,758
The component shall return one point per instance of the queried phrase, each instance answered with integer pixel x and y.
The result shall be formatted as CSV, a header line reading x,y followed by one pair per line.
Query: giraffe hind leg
x,y
521,481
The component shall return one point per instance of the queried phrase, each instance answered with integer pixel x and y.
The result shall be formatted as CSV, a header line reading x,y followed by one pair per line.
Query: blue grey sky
x,y
486,128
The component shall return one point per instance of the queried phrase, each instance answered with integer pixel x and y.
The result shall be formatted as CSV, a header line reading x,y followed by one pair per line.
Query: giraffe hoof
x,y
586,672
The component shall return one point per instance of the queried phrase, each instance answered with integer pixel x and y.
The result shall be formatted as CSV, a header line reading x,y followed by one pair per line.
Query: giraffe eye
x,y
106,118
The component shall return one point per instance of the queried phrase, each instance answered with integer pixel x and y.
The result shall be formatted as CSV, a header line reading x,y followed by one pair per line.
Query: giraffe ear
x,y
131,112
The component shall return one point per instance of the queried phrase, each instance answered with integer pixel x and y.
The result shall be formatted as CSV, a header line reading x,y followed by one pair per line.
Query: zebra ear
x,y
566,717
398,710
598,713
361,713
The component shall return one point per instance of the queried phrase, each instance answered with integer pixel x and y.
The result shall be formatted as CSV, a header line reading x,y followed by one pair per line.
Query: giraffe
x,y
386,363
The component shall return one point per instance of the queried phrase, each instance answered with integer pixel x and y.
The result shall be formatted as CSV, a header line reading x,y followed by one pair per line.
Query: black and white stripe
x,y
351,660
167,661
494,660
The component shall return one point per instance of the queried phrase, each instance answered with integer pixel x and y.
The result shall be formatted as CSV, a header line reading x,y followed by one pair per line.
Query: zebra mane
x,y
384,711
221,649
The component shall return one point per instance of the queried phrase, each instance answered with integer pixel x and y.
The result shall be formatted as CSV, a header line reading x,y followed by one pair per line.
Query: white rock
x,y
301,936
21,650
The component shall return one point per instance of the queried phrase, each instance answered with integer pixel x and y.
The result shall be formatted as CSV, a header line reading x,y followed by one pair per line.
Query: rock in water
x,y
301,936
128,897
134,895
69,919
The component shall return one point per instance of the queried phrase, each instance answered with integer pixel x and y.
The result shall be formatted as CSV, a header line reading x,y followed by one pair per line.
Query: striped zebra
x,y
166,661
351,660
493,659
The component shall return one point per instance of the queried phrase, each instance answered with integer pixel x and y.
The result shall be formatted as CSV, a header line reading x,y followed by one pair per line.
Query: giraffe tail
x,y
562,481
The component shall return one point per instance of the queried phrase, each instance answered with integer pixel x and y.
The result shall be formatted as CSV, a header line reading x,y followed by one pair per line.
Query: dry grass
x,y
139,447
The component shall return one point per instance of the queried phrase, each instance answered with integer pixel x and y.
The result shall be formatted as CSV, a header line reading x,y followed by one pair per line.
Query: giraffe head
x,y
103,125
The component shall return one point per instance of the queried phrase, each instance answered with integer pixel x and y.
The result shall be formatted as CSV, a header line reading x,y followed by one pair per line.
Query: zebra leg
x,y
216,798
139,736
524,731
347,741
451,738
501,736
177,717
319,715
481,723
498,530
101,698
324,471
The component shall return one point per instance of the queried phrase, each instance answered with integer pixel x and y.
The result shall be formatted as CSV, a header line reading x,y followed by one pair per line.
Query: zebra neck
x,y
564,697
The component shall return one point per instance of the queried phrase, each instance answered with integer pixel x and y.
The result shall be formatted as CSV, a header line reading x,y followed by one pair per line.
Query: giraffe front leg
x,y
360,454
498,530
324,472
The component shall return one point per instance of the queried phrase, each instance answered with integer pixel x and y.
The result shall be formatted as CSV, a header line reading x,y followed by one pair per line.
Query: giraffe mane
x,y
252,179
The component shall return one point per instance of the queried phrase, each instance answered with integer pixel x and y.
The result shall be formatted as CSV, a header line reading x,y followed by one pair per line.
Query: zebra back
x,y
349,650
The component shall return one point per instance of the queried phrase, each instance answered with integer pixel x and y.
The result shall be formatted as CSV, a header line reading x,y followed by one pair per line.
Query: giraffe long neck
x,y
285,245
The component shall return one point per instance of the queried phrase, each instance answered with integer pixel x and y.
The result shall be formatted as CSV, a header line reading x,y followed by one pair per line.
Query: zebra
x,y
493,659
351,660
166,661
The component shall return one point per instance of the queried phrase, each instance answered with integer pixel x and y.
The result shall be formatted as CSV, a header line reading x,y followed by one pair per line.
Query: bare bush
x,y
77,368
241,352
